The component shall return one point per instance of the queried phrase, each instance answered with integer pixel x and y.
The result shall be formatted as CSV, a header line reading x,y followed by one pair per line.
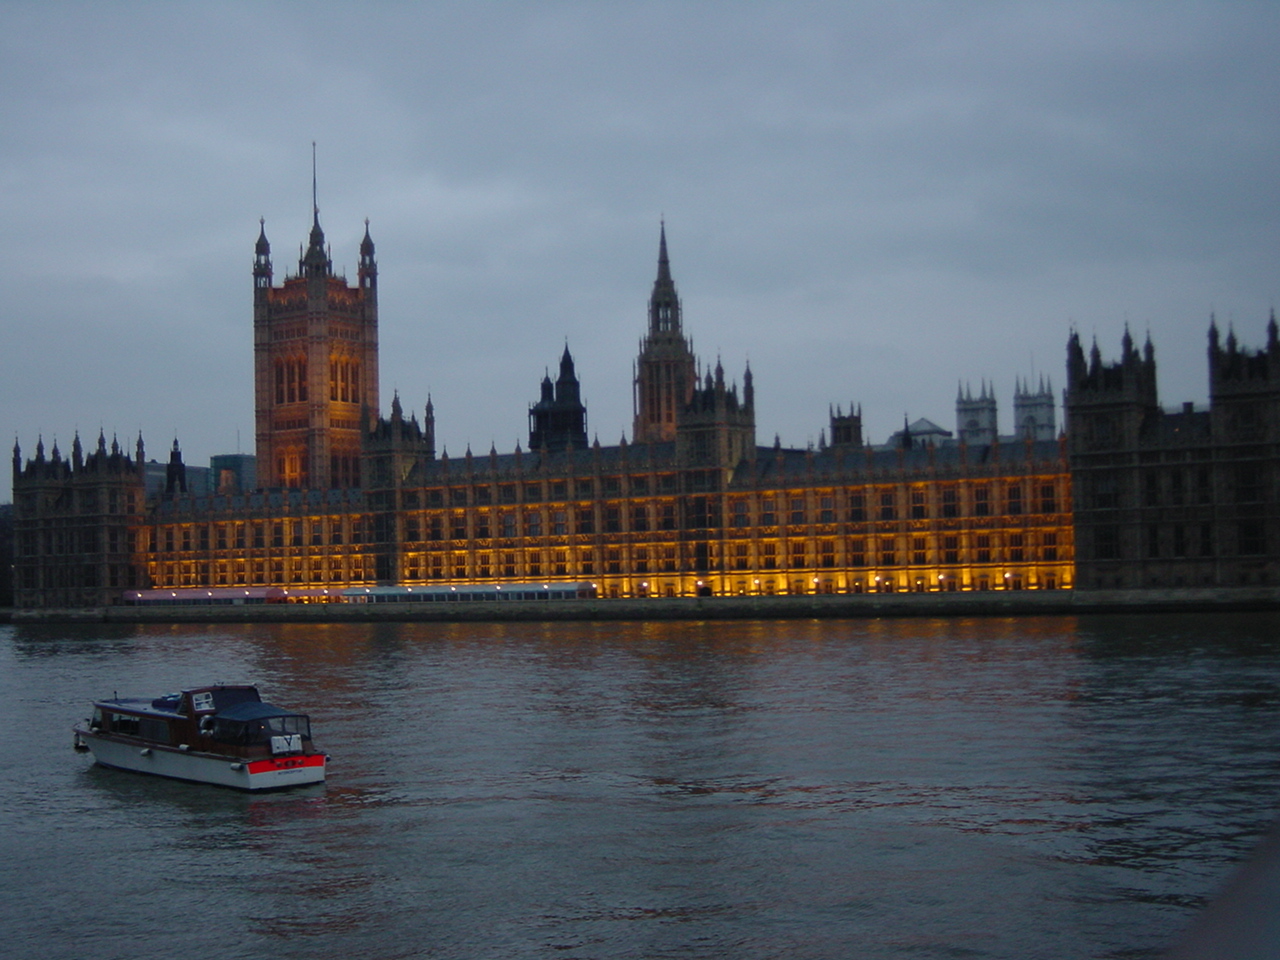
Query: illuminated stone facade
x,y
694,507
315,373
637,522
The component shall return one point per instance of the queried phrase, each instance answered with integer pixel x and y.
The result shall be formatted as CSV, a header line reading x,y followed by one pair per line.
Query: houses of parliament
x,y
1124,495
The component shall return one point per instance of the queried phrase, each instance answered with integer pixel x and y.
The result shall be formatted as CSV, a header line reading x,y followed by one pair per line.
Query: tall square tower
x,y
315,346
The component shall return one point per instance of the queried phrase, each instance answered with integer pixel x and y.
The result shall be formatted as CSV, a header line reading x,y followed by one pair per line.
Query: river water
x,y
1022,788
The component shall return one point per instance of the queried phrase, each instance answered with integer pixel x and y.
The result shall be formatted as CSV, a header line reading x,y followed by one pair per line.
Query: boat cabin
x,y
206,718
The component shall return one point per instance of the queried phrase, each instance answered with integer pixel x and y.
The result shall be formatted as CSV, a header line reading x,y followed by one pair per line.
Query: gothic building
x,y
559,420
692,505
1127,496
665,372
976,416
78,521
315,346
1033,410
1179,499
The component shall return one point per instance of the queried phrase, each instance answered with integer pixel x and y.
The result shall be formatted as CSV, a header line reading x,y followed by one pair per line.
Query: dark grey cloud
x,y
871,202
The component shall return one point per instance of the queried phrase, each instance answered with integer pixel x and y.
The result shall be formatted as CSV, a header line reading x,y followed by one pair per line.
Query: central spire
x,y
664,264
315,197
664,303
315,262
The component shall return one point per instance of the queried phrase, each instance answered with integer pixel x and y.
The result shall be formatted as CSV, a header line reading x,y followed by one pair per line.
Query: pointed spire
x,y
315,196
664,264
664,304
315,262
368,271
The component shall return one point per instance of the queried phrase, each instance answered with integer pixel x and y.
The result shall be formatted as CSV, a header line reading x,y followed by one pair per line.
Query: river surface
x,y
1023,788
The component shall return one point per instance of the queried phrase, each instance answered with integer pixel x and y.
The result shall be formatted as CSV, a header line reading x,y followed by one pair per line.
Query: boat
x,y
222,734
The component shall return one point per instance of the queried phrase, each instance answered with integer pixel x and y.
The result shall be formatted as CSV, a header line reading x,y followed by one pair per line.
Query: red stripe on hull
x,y
285,763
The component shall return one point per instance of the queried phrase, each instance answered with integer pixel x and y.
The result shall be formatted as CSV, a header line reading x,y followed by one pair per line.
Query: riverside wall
x,y
1003,603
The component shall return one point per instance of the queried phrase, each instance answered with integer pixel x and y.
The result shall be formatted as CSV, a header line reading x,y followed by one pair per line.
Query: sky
x,y
870,203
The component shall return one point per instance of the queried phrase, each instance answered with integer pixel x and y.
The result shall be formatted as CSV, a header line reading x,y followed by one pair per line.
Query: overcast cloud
x,y
870,202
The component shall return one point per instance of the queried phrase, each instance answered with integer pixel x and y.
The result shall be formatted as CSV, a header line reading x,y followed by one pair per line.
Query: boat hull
x,y
265,773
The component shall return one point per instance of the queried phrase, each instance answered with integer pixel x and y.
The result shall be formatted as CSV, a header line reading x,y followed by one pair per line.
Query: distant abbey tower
x,y
666,374
1033,411
315,347
976,416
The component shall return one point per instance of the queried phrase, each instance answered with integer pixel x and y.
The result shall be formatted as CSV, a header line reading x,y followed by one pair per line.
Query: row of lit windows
x,y
458,526
883,552
290,380
260,534
242,573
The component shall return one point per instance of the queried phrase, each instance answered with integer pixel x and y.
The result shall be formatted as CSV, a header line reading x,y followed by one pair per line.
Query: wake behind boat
x,y
221,734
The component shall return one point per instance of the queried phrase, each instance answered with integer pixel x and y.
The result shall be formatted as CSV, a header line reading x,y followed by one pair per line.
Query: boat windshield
x,y
255,723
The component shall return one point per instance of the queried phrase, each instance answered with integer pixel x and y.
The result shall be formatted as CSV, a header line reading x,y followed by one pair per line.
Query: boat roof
x,y
254,710
139,705
169,705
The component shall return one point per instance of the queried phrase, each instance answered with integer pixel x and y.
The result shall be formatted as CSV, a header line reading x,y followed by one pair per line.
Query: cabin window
x,y
149,728
124,724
